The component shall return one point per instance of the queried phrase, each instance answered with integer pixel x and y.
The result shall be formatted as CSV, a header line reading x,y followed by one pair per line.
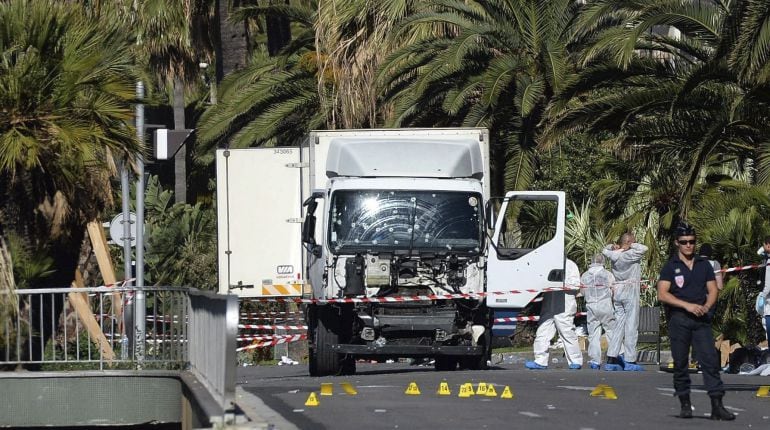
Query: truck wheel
x,y
327,326
478,362
445,363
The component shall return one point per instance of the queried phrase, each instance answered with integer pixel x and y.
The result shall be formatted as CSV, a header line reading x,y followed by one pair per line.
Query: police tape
x,y
401,299
529,318
454,296
269,314
266,337
272,327
120,284
274,342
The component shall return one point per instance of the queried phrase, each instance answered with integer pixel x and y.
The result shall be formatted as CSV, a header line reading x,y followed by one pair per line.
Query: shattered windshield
x,y
377,220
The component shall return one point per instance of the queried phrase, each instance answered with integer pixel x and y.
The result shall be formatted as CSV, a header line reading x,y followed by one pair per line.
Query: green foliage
x,y
66,88
29,265
181,241
571,166
497,65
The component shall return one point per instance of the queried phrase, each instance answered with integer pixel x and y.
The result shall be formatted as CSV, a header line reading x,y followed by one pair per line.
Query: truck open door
x,y
259,194
526,250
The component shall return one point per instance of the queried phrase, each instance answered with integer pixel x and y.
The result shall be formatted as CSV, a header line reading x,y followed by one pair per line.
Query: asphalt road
x,y
543,399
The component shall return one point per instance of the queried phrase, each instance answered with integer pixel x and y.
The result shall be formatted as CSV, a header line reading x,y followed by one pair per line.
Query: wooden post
x,y
81,304
102,253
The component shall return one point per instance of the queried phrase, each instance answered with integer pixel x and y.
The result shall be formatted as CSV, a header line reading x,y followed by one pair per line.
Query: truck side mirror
x,y
490,216
308,226
308,230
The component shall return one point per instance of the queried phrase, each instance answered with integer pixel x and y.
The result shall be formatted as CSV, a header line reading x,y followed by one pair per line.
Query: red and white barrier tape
x,y
272,327
401,299
267,337
528,318
120,284
268,314
294,338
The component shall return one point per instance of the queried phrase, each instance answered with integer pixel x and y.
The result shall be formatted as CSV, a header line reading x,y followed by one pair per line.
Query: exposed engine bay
x,y
459,321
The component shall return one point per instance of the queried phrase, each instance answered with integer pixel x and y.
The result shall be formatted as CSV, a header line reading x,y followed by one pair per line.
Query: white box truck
x,y
392,233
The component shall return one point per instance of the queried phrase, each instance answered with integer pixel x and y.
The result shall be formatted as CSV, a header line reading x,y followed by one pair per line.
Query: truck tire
x,y
329,325
445,363
478,362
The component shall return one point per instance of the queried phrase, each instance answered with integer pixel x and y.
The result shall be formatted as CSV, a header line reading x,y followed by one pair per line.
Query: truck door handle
x,y
556,275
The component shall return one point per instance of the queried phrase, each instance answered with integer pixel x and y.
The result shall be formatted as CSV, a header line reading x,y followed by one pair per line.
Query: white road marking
x,y
530,414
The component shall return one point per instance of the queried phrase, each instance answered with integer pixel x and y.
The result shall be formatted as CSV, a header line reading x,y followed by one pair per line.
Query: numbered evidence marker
x,y
482,389
443,389
412,390
491,391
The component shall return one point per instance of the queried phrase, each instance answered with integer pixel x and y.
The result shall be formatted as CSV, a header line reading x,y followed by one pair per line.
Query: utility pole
x,y
140,309
127,342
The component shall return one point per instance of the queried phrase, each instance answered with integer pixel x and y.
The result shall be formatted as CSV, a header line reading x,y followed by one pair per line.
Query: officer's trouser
x,y
684,330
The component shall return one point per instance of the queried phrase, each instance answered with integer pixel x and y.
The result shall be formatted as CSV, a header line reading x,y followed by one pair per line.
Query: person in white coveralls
x,y
596,286
626,259
562,323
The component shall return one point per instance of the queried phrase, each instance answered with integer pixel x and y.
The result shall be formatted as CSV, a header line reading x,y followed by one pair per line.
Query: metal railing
x,y
214,326
94,328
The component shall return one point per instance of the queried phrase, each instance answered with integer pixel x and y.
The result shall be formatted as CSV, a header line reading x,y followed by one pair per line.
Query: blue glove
x,y
760,305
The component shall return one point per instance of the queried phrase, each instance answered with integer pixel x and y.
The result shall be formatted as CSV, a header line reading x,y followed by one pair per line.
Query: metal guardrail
x,y
94,328
212,331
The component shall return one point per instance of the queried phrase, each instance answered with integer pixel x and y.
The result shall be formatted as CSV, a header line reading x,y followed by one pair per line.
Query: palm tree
x,y
272,100
669,96
66,89
173,38
324,78
497,65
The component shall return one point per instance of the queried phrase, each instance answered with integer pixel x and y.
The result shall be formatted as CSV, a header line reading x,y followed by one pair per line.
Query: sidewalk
x,y
557,359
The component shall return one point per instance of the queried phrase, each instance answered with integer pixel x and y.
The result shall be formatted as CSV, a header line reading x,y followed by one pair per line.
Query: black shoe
x,y
718,411
686,411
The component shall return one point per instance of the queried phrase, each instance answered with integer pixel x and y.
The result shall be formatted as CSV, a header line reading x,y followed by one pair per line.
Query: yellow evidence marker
x,y
327,388
469,388
482,390
507,393
763,391
599,390
312,400
348,388
443,389
491,391
464,391
609,393
412,390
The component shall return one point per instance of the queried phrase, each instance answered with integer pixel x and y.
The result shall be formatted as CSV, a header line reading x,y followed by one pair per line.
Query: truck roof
x,y
403,156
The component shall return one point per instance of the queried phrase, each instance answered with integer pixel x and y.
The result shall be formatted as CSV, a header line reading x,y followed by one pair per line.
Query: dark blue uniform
x,y
685,329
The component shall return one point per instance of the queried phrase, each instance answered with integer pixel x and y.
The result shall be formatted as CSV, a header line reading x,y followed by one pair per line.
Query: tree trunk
x,y
278,33
231,44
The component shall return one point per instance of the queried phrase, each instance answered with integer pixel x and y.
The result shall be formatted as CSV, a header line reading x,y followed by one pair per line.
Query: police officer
x,y
688,289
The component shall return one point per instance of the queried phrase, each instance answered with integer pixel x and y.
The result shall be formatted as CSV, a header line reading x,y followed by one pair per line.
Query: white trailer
x,y
389,215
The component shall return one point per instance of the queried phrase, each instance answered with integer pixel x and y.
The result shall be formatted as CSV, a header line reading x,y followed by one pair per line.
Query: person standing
x,y
764,296
626,261
562,323
596,286
687,287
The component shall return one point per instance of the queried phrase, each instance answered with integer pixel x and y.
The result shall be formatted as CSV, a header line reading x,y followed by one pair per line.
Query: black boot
x,y
686,411
718,411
